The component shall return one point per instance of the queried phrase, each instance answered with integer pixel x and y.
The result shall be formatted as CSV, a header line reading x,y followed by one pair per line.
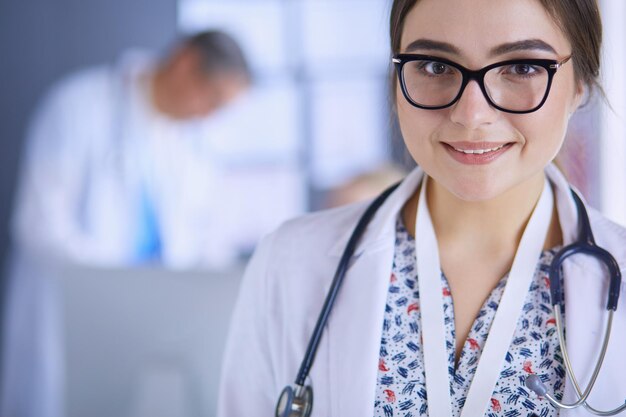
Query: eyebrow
x,y
431,45
525,45
505,48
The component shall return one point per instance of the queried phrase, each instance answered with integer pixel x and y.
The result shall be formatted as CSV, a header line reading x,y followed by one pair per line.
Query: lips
x,y
476,153
476,147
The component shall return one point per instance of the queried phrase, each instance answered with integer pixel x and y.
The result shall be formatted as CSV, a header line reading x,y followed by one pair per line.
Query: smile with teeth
x,y
479,151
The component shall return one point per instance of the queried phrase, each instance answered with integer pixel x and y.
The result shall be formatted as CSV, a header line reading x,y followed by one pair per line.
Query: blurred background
x,y
114,335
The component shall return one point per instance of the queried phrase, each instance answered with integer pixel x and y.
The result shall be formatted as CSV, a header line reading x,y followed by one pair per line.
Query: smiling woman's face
x,y
474,34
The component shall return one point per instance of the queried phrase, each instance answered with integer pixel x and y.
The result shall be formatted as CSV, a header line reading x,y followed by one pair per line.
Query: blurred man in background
x,y
118,167
118,172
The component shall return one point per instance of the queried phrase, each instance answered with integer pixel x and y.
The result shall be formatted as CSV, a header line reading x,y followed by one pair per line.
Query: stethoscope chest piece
x,y
296,402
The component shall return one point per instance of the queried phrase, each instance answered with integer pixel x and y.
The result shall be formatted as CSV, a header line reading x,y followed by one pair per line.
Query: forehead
x,y
476,27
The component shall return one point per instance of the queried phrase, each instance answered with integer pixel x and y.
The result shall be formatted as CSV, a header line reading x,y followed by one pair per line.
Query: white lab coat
x,y
94,146
289,276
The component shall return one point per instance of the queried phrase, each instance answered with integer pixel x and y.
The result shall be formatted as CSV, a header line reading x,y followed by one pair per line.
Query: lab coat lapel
x,y
355,324
355,332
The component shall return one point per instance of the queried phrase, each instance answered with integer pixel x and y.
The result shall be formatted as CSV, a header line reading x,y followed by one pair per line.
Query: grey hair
x,y
220,52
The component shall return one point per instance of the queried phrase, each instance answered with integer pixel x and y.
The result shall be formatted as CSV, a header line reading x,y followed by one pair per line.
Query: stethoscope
x,y
297,400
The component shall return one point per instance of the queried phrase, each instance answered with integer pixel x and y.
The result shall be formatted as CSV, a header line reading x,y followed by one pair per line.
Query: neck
x,y
493,227
492,224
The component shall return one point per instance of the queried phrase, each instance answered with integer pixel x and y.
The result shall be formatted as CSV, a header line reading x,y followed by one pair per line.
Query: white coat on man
x,y
286,283
96,147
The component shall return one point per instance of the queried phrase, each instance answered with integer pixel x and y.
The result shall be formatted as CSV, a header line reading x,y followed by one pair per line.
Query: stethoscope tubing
x,y
584,245
582,401
297,400
340,274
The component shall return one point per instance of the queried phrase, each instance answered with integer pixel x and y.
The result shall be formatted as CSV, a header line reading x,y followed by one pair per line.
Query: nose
x,y
472,110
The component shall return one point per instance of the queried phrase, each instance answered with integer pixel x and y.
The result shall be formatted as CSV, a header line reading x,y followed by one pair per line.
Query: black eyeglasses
x,y
514,86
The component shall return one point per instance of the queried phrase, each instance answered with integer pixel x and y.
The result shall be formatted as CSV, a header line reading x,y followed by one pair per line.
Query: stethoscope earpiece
x,y
296,402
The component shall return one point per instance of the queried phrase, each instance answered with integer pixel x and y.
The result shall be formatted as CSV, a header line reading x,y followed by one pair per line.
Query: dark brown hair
x,y
578,19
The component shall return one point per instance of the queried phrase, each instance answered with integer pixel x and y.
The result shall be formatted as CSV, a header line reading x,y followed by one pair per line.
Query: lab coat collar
x,y
566,208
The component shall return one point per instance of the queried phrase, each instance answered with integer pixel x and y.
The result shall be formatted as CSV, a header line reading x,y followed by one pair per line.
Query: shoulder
x,y
609,235
75,108
85,92
308,245
77,85
322,229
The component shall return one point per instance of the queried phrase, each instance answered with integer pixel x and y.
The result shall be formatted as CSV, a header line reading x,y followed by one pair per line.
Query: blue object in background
x,y
149,245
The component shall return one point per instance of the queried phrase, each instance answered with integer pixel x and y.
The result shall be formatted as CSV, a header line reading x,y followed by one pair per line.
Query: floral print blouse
x,y
401,389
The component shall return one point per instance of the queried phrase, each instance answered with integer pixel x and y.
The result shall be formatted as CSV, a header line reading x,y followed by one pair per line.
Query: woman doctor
x,y
445,309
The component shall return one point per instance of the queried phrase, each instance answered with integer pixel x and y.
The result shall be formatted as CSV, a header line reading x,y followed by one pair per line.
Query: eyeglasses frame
x,y
550,65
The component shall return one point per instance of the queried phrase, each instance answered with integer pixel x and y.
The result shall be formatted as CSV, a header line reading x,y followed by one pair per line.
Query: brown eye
x,y
435,68
522,69
438,68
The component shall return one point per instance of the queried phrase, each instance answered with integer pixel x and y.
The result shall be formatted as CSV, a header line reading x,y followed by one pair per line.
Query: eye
x,y
435,68
521,69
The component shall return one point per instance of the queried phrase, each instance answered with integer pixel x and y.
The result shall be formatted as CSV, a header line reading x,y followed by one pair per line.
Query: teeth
x,y
478,151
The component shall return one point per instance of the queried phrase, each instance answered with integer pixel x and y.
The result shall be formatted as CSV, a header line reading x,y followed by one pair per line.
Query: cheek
x,y
418,128
545,130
